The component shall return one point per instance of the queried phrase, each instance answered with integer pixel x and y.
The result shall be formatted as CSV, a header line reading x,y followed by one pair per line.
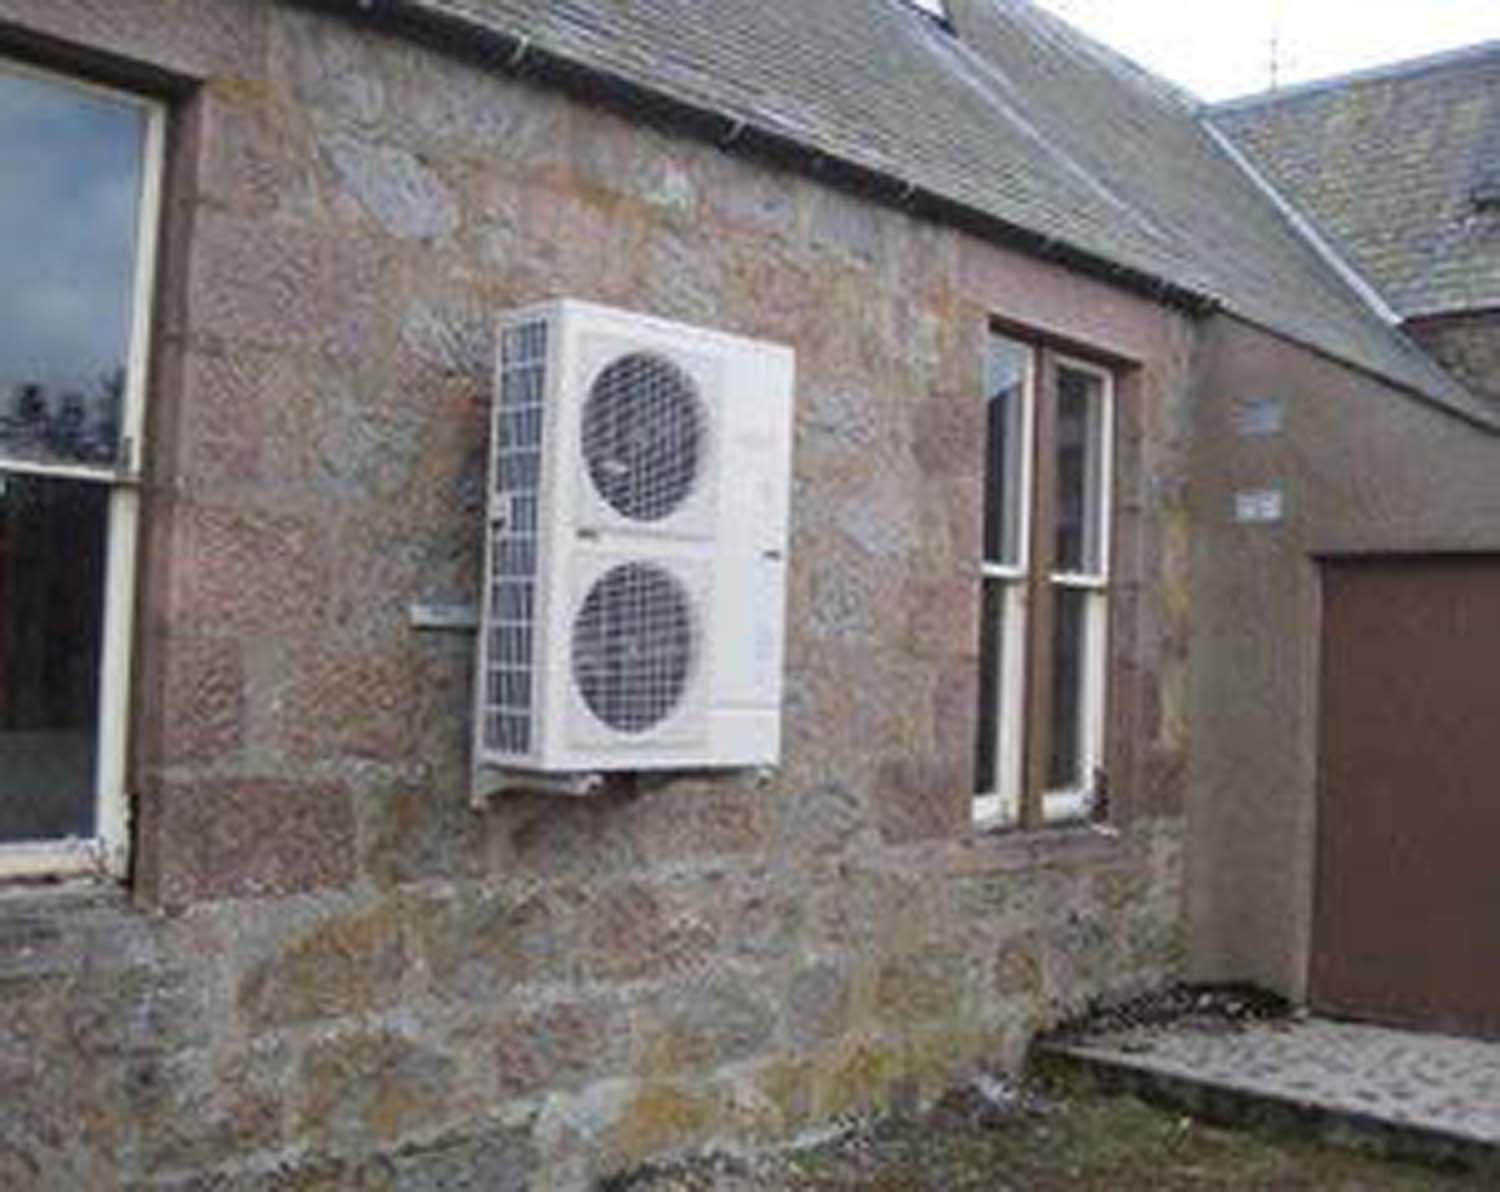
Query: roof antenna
x,y
1275,57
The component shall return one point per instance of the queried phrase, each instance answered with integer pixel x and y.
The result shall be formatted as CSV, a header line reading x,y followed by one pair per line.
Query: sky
x,y
69,185
1218,49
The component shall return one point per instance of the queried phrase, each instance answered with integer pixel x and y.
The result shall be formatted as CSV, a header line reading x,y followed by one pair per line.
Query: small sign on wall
x,y
1259,417
1259,506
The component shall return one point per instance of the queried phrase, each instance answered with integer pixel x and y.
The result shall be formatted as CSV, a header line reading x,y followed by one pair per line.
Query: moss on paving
x,y
1102,1144
1085,1142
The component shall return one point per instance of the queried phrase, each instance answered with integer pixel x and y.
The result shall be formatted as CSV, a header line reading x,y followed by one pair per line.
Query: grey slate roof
x,y
1386,162
1018,117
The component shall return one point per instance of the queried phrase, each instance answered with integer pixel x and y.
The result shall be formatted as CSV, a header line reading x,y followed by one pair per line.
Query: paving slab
x,y
1426,1093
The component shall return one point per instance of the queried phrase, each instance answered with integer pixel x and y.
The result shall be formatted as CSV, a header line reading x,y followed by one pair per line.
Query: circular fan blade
x,y
633,646
642,436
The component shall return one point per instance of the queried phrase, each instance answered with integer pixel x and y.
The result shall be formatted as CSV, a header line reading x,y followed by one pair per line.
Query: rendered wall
x,y
1361,468
327,970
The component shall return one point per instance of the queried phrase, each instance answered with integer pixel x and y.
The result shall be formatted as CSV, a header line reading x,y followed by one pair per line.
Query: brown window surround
x,y
1048,733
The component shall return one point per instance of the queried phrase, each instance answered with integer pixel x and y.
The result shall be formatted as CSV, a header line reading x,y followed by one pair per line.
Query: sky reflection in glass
x,y
70,184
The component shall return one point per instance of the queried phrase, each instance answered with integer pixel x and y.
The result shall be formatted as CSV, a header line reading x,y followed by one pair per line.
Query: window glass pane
x,y
991,668
1006,368
72,168
1080,472
1069,650
52,559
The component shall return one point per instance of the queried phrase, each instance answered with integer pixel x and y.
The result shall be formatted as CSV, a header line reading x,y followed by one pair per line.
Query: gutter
x,y
1435,313
461,35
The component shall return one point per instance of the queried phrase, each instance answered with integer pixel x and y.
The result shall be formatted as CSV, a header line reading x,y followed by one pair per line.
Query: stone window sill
x,y
78,891
1010,847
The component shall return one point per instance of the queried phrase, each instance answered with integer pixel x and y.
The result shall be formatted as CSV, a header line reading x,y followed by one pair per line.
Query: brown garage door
x,y
1406,924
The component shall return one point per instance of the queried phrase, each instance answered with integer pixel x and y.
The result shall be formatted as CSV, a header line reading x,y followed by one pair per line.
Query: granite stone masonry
x,y
327,971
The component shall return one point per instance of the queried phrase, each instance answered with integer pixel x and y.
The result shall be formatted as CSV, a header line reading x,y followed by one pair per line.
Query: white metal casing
x,y
724,543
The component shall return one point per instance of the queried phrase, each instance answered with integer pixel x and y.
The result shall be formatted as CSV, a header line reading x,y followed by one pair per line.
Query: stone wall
x,y
1469,344
327,970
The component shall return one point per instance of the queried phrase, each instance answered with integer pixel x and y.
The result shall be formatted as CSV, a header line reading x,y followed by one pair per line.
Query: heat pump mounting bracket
x,y
491,780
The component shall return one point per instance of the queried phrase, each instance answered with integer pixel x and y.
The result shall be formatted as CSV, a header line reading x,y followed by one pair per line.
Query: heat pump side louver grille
x,y
643,436
633,647
510,670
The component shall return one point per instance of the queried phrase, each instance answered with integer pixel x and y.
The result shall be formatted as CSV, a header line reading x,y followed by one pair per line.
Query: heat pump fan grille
x,y
633,647
642,436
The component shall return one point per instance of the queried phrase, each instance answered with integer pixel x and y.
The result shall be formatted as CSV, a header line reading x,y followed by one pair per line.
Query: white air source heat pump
x,y
635,557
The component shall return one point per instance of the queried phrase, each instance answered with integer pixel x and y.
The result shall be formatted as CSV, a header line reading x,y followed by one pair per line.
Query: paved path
x,y
1412,1082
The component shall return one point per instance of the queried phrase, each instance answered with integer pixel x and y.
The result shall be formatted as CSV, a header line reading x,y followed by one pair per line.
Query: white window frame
x,y
1001,805
1072,803
106,853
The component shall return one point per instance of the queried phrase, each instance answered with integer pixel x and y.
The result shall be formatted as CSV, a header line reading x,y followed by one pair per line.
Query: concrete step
x,y
1399,1093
